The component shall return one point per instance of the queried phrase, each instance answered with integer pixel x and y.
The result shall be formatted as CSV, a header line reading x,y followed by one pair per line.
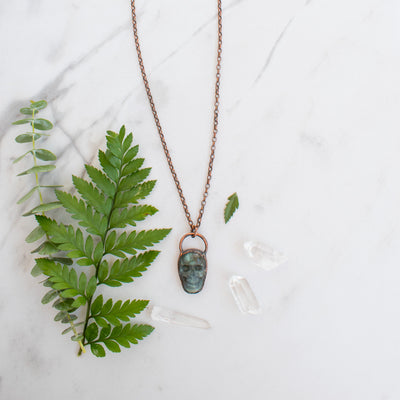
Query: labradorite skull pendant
x,y
192,266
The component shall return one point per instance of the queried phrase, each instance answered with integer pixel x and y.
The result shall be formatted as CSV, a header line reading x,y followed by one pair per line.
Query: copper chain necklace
x,y
192,263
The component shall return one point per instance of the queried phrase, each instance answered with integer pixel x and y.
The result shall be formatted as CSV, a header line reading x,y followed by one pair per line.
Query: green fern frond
x,y
121,335
93,221
134,241
124,271
115,313
106,202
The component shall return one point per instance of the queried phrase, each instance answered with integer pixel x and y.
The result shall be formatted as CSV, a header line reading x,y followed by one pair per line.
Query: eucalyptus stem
x,y
82,348
35,159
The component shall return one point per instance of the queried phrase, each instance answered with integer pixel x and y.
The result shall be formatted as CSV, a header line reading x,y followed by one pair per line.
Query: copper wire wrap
x,y
193,227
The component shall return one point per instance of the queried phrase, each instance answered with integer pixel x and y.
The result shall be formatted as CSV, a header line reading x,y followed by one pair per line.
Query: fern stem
x,y
88,316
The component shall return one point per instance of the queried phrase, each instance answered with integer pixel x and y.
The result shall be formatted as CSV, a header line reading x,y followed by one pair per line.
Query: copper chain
x,y
193,227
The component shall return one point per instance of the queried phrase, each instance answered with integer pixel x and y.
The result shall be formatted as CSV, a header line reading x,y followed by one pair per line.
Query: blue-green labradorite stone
x,y
192,268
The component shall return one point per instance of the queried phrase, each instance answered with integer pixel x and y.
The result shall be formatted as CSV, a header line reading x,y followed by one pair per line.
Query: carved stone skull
x,y
192,268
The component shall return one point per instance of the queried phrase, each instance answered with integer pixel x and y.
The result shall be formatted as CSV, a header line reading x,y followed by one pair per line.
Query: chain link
x,y
193,227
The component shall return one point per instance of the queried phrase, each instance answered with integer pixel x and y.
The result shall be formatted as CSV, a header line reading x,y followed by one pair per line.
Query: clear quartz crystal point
x,y
244,295
177,318
264,256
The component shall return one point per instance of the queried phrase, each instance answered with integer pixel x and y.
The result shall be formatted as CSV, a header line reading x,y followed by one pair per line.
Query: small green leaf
x,y
23,121
102,322
78,302
101,180
63,260
84,262
43,207
47,283
36,234
97,350
130,154
49,296
108,168
97,305
91,286
36,271
69,318
70,328
42,124
103,271
45,155
91,332
64,304
27,111
38,105
110,241
82,282
38,168
60,316
21,157
112,346
27,195
98,252
77,338
231,206
46,249
26,138
67,292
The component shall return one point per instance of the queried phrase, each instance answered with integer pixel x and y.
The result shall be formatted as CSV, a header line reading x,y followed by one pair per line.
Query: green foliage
x,y
231,206
37,154
107,202
57,275
113,338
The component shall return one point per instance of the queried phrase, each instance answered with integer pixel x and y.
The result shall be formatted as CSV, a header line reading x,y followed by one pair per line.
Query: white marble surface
x,y
310,140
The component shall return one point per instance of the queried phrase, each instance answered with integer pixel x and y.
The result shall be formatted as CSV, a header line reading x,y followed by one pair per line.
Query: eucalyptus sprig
x,y
100,253
38,125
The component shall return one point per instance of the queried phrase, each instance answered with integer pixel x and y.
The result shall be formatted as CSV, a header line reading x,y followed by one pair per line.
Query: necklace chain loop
x,y
193,227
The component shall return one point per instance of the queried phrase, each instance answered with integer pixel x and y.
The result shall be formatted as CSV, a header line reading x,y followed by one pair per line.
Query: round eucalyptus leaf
x,y
37,168
23,121
43,207
42,124
77,338
36,234
61,316
45,155
26,138
49,296
27,111
27,195
68,318
39,105
36,271
63,304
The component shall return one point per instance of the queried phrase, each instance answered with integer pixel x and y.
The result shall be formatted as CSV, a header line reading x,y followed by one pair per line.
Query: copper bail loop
x,y
193,235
